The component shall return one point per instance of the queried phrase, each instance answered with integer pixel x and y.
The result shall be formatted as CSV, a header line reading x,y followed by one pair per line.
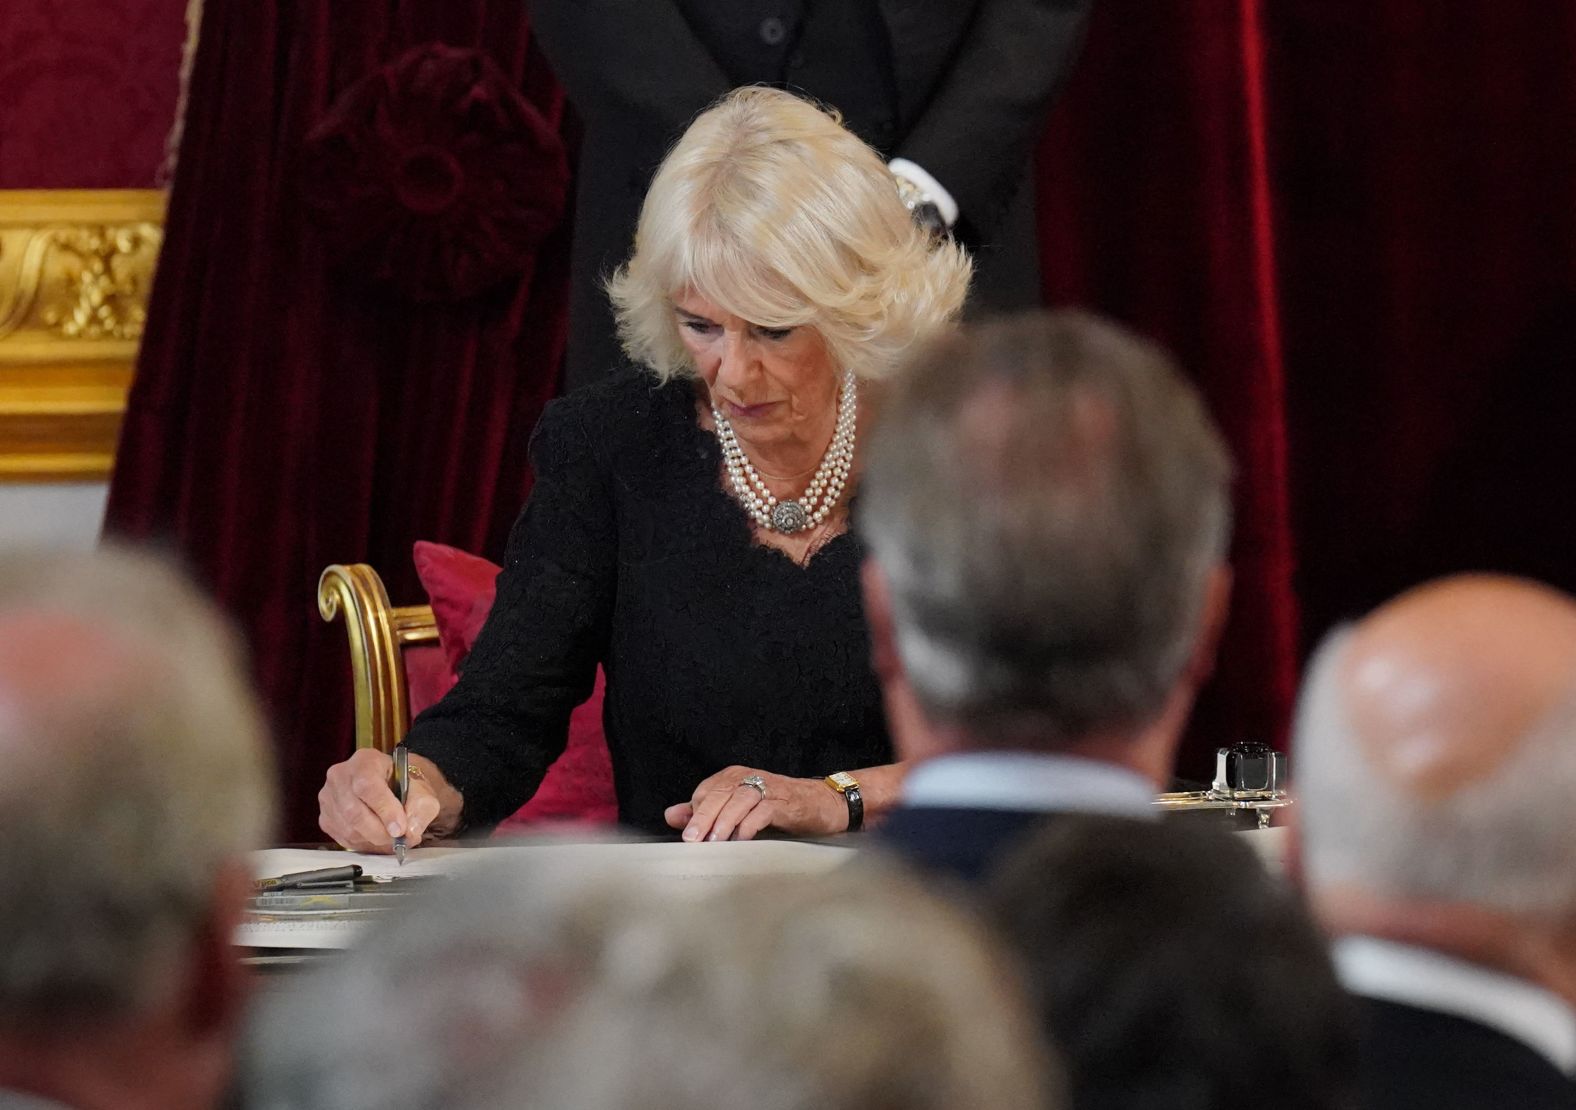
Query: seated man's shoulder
x,y
1408,1053
963,841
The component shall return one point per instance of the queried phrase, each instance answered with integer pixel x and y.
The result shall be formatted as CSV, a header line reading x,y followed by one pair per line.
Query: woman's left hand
x,y
723,808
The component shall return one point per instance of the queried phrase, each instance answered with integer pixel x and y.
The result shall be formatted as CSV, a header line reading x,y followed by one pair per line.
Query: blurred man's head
x,y
529,983
846,991
1435,751
137,774
1171,971
1047,507
438,995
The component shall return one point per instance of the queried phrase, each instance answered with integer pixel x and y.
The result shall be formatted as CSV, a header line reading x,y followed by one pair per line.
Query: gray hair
x,y
1046,497
137,768
857,989
523,983
436,996
1503,842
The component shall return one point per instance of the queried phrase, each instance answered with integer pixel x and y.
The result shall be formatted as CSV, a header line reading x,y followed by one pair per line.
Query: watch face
x,y
843,780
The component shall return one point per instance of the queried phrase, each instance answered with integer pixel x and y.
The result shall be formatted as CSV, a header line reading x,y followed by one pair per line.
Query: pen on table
x,y
401,791
322,876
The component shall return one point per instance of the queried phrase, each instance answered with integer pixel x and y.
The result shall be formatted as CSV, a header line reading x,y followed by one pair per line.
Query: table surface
x,y
667,867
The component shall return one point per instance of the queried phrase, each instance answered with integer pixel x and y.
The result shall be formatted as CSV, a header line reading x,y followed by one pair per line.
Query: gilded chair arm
x,y
377,669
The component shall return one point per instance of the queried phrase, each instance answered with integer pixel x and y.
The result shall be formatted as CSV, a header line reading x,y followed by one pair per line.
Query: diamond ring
x,y
755,782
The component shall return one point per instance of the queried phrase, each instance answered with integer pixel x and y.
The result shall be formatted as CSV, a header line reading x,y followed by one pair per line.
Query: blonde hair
x,y
770,208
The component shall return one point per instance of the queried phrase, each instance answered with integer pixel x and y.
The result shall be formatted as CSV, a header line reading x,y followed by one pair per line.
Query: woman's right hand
x,y
358,809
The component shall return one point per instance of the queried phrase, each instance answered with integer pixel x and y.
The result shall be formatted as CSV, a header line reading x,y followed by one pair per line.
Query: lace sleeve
x,y
495,734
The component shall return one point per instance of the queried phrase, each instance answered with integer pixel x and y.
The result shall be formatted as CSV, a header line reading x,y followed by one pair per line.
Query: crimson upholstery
x,y
579,784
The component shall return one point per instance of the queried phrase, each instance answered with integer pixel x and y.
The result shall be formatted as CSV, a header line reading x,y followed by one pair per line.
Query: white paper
x,y
273,862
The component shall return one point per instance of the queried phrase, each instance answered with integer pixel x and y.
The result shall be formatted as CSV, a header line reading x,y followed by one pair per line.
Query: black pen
x,y
348,873
402,790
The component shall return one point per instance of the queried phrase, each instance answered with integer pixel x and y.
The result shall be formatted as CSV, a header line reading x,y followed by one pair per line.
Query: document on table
x,y
665,867
272,862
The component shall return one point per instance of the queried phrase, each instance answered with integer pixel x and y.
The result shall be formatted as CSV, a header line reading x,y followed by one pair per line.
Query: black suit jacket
x,y
1415,1059
958,842
958,86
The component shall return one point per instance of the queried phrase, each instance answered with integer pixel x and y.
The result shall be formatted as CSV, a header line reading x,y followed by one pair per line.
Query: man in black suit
x,y
954,90
1435,756
1047,509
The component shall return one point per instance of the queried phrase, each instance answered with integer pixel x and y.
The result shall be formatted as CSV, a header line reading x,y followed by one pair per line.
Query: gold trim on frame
x,y
76,266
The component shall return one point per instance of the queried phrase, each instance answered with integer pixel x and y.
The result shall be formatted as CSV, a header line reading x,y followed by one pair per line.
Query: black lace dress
x,y
717,650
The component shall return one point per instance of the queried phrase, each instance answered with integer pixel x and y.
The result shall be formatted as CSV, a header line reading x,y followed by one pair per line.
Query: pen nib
x,y
400,850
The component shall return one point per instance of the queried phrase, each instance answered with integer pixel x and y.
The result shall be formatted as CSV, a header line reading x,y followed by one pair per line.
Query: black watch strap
x,y
856,808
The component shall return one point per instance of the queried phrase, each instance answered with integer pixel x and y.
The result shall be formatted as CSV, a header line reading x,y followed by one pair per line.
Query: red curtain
x,y
87,92
340,357
1425,172
1155,208
1355,223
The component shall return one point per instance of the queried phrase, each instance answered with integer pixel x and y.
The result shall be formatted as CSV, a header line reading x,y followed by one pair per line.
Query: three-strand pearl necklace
x,y
826,485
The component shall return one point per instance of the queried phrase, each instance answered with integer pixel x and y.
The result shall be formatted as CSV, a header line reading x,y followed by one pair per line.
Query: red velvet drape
x,y
1425,173
1356,225
287,413
1155,208
87,92
1354,222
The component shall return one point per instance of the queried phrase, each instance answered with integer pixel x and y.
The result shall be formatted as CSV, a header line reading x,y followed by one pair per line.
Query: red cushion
x,y
460,587
579,785
428,676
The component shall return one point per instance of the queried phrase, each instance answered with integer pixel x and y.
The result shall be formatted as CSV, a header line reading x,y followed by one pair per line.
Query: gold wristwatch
x,y
848,786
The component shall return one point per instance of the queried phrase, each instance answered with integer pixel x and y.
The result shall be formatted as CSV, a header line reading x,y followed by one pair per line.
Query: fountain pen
x,y
401,787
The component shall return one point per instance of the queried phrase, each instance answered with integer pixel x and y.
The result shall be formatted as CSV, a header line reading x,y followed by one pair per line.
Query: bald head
x,y
1445,684
1435,749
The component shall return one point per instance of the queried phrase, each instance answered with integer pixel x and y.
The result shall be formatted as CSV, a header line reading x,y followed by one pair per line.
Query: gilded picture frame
x,y
76,268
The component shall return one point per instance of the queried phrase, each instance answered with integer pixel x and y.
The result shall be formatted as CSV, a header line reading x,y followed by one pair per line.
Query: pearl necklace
x,y
826,485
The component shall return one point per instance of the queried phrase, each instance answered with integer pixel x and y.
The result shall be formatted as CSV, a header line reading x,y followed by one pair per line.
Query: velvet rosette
x,y
434,176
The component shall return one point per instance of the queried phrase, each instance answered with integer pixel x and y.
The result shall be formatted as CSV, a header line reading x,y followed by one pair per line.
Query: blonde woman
x,y
689,525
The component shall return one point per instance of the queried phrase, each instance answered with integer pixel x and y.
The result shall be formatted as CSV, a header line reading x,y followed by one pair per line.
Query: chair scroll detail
x,y
378,633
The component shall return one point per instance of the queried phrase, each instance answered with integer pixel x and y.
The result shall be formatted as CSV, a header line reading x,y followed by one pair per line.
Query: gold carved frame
x,y
76,267
379,634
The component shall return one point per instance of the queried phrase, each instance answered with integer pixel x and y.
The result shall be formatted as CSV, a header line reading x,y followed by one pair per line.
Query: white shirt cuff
x,y
933,190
